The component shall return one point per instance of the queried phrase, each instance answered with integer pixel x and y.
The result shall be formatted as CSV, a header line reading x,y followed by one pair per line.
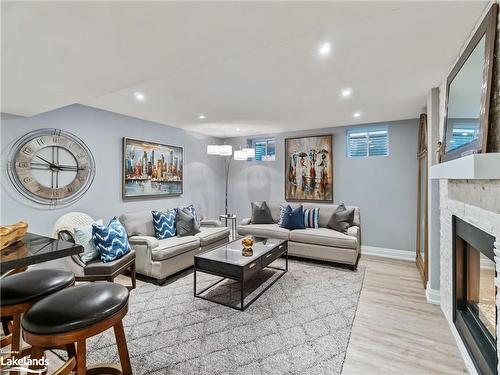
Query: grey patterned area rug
x,y
301,325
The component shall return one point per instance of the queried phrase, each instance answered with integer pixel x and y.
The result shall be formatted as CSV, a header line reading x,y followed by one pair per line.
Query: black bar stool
x,y
71,316
20,291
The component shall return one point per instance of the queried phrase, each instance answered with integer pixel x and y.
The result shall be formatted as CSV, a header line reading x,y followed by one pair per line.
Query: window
x,y
463,133
265,149
372,141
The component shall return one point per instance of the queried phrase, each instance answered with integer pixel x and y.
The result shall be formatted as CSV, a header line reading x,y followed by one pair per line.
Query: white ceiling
x,y
247,65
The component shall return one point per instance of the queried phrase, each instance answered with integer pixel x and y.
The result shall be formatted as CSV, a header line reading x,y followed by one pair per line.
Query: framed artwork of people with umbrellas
x,y
309,168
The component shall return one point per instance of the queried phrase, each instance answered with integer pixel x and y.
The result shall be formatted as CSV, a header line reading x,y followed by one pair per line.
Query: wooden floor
x,y
395,330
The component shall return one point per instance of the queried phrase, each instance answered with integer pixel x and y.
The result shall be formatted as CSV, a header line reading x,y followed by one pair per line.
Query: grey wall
x,y
102,131
385,188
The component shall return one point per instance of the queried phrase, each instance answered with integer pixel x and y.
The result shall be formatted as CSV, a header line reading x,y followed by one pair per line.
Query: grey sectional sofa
x,y
162,258
322,243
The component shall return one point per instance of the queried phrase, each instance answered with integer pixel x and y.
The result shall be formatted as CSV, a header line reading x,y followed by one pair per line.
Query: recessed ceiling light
x,y
238,129
324,49
346,92
201,117
357,114
139,96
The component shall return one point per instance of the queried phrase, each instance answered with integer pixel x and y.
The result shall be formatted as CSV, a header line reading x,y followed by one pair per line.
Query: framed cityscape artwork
x,y
151,169
309,169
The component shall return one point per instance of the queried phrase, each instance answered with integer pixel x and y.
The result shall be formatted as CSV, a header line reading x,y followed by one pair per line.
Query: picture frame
x,y
151,169
309,168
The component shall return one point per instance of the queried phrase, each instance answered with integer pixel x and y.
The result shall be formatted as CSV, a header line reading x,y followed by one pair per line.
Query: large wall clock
x,y
51,167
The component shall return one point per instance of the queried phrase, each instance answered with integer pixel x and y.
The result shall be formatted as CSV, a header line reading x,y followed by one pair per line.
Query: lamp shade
x,y
225,150
240,155
213,149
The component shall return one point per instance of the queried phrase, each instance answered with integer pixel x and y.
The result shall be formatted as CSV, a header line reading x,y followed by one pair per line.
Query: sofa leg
x,y
354,267
132,274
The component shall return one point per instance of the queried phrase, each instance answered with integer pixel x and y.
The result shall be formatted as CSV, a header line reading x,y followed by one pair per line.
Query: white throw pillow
x,y
83,236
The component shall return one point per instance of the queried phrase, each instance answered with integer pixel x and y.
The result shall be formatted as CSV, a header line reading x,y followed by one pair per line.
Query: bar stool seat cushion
x,y
31,285
75,308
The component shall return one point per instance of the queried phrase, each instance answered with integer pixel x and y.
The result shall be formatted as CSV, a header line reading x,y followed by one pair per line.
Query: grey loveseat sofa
x,y
322,243
161,258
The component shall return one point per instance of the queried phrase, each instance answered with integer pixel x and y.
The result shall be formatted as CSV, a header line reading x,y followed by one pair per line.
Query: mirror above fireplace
x,y
468,93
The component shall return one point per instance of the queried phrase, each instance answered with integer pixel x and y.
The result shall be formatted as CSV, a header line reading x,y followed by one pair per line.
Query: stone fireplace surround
x,y
478,203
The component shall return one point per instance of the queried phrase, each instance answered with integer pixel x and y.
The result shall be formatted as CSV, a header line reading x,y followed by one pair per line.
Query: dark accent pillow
x,y
342,219
293,218
186,223
261,214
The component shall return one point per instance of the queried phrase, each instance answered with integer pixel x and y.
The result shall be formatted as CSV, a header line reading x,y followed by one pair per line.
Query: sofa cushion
x,y
326,211
325,237
311,216
83,236
99,268
264,230
210,235
139,223
186,223
293,218
275,208
261,214
110,240
164,223
170,247
342,219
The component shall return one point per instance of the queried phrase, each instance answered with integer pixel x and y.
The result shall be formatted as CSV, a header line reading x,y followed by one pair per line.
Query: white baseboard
x,y
433,295
388,253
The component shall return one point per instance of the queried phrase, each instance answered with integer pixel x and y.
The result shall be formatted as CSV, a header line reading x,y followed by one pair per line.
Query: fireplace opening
x,y
475,312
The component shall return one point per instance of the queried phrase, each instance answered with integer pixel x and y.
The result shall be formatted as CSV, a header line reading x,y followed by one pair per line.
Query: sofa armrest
x,y
211,223
355,231
246,221
143,246
148,241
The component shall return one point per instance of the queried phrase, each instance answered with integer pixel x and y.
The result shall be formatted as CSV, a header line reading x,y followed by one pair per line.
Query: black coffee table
x,y
228,262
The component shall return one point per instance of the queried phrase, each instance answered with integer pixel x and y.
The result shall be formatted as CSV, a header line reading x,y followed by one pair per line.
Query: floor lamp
x,y
227,152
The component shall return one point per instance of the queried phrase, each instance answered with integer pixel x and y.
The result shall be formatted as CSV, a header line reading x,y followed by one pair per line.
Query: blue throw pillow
x,y
111,241
293,218
311,218
164,223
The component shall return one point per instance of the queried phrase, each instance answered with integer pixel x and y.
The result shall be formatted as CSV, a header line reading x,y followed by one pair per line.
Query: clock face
x,y
50,166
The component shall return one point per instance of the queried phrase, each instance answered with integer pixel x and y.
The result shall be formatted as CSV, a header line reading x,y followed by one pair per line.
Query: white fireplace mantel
x,y
470,167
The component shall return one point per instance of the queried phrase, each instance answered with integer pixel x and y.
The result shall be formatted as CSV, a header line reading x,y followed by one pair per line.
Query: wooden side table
x,y
232,227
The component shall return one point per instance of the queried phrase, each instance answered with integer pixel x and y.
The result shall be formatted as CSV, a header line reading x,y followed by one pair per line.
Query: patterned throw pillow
x,y
164,223
186,223
83,236
193,213
111,241
282,212
311,217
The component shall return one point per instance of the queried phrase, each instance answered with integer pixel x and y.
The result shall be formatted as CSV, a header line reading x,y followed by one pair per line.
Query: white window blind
x,y
372,141
265,149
